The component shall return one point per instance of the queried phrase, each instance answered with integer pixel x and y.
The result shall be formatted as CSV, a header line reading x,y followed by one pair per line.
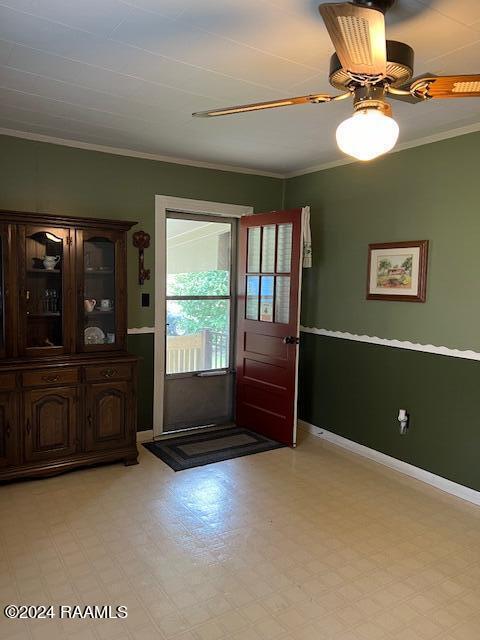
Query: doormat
x,y
197,450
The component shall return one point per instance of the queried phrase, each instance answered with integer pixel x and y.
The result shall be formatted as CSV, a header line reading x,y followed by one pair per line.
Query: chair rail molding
x,y
135,331
467,354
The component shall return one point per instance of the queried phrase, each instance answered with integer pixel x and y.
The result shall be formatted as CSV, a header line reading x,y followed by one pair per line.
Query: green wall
x,y
36,176
143,345
430,192
355,390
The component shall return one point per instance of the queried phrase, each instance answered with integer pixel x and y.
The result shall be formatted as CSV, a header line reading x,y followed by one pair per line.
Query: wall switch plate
x,y
145,299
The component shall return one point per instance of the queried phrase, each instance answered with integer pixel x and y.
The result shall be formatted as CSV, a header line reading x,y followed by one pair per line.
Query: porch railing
x,y
202,351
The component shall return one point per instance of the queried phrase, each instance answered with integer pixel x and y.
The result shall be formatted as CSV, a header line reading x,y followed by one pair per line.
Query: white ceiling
x,y
128,74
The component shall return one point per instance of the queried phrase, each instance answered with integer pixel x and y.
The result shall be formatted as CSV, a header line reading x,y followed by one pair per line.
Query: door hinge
x,y
69,240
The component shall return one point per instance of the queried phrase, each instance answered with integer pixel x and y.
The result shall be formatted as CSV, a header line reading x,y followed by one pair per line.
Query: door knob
x,y
291,340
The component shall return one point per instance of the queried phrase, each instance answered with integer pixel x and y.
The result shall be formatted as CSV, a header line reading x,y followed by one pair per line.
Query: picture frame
x,y
397,271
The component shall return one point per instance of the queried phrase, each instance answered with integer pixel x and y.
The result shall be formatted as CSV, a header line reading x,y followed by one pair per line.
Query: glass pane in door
x,y
284,247
266,299
253,249
268,248
282,299
252,298
44,289
99,291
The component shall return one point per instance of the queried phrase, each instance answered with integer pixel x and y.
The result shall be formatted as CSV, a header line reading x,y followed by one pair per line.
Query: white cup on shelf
x,y
106,304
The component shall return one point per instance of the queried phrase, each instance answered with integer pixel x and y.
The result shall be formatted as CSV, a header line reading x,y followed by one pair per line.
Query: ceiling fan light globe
x,y
369,133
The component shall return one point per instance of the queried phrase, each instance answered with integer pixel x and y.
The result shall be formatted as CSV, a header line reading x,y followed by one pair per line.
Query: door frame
x,y
163,204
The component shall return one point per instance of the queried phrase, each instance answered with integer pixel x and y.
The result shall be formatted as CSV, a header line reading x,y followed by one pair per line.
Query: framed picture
x,y
397,271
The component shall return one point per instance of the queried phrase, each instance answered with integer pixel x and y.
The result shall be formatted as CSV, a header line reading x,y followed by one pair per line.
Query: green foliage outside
x,y
192,316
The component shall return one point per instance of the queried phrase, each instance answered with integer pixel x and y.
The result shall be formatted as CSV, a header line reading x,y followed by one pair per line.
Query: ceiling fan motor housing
x,y
400,58
380,5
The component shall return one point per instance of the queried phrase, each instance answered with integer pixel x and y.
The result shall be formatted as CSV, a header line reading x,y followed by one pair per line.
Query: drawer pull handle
x,y
51,378
109,373
29,428
89,420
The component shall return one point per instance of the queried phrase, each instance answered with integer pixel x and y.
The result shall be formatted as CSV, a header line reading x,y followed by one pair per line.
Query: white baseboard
x,y
455,489
145,436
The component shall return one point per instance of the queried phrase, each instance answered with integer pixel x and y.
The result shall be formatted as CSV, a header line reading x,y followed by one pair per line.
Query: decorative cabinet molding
x,y
50,428
109,414
67,385
8,430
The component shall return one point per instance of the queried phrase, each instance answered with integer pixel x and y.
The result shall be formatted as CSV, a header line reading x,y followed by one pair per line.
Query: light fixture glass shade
x,y
367,134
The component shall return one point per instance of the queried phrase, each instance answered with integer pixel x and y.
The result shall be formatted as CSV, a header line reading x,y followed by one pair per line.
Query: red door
x,y
268,323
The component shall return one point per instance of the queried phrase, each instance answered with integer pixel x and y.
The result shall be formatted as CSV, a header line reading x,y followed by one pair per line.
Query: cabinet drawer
x,y
108,372
7,381
45,377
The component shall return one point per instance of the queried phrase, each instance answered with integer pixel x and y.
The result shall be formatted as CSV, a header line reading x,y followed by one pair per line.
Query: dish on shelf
x,y
94,335
102,269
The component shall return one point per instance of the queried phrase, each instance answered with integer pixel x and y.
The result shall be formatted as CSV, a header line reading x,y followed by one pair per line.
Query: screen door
x,y
200,312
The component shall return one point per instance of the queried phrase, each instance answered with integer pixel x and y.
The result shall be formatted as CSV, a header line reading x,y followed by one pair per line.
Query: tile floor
x,y
311,544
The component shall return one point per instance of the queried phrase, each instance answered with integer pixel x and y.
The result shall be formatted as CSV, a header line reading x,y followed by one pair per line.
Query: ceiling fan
x,y
370,69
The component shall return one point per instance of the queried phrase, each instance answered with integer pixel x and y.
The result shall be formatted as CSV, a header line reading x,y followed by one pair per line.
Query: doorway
x,y
195,256
200,320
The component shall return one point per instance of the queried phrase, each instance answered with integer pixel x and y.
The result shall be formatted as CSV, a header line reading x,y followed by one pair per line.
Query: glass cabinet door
x,y
46,269
101,326
3,285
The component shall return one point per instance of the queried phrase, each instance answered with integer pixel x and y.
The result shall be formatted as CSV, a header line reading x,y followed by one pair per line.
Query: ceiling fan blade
x,y
447,87
258,106
358,35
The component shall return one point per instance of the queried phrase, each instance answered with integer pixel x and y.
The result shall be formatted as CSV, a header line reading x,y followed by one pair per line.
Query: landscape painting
x,y
397,271
394,271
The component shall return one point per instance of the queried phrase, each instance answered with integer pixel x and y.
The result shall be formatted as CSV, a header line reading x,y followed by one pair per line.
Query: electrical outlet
x,y
403,419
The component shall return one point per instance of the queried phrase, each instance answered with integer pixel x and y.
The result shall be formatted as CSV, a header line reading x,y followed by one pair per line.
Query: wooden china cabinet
x,y
67,384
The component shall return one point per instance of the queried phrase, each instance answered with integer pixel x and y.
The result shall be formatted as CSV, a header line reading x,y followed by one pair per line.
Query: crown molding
x,y
418,142
467,354
77,144
88,146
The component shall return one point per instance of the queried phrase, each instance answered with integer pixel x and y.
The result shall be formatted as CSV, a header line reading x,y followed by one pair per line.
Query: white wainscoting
x,y
397,344
135,331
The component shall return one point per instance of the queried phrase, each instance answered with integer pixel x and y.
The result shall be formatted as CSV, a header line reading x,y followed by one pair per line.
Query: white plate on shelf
x,y
94,335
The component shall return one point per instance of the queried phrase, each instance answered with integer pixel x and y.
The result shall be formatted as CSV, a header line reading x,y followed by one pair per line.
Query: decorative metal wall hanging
x,y
141,241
